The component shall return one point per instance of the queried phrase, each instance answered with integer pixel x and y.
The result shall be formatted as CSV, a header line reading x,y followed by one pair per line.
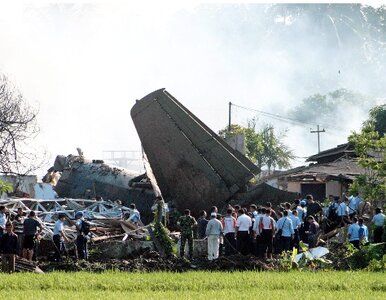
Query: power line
x,y
284,119
278,117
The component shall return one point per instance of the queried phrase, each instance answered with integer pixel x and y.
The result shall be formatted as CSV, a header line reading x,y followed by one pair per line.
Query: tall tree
x,y
378,119
326,109
263,147
371,150
17,127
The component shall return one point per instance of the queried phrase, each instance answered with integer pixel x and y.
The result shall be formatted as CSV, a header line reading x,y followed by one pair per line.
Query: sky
x,y
83,65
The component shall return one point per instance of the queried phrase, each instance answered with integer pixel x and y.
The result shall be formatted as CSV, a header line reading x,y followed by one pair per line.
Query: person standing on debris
x,y
8,249
229,226
363,232
59,237
342,212
243,225
353,233
312,232
202,222
213,231
3,219
31,227
19,229
257,233
267,228
187,224
296,225
82,230
313,207
378,221
287,232
135,216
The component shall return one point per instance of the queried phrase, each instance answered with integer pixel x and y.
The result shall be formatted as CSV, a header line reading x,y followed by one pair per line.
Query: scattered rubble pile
x,y
104,216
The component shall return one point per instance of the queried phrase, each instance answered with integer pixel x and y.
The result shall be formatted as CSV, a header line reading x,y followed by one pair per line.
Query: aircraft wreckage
x,y
190,164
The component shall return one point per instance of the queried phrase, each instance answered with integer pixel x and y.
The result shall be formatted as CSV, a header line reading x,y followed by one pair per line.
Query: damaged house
x,y
329,173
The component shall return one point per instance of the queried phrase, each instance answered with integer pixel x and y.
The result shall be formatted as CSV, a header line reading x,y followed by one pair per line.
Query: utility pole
x,y
230,117
318,132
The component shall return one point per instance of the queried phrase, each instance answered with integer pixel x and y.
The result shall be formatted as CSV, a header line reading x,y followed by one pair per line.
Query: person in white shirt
x,y
243,223
267,228
59,237
213,231
229,226
257,233
378,221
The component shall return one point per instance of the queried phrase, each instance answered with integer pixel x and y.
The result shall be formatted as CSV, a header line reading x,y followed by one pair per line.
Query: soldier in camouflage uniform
x,y
186,223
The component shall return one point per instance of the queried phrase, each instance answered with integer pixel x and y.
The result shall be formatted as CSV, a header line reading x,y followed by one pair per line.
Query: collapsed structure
x,y
189,164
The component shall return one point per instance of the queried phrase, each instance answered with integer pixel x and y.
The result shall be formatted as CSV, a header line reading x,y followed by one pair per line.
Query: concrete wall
x,y
237,142
294,187
334,188
25,184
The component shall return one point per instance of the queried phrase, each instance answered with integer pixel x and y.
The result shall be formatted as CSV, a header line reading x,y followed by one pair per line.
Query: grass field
x,y
194,285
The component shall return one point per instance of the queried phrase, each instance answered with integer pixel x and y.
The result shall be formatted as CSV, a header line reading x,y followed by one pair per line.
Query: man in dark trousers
x,y
243,225
202,222
8,249
187,223
81,238
32,227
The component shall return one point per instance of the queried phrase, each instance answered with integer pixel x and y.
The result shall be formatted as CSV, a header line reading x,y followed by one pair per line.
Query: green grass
x,y
194,285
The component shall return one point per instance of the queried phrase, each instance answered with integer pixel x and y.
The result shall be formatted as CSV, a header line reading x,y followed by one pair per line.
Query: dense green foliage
x,y
377,117
5,187
371,149
194,285
263,147
330,108
372,257
161,233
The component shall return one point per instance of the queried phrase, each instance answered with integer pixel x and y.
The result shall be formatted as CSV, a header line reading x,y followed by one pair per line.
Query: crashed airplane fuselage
x,y
193,166
87,179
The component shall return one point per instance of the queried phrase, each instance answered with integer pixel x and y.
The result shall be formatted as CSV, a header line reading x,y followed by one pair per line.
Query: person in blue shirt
x,y
287,231
135,216
296,223
353,233
363,232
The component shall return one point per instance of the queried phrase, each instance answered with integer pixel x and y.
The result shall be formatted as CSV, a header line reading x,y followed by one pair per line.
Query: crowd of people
x,y
264,232
258,230
20,234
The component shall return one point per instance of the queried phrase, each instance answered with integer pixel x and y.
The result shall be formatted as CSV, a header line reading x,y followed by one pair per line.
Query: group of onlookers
x,y
262,231
20,235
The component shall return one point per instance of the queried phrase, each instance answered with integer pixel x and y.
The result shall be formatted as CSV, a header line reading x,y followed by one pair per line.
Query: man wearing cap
x,y
186,224
59,237
81,238
213,231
